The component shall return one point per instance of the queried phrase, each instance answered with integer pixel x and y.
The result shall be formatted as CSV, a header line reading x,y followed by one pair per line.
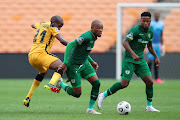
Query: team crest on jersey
x,y
73,80
80,40
57,30
149,35
127,72
130,34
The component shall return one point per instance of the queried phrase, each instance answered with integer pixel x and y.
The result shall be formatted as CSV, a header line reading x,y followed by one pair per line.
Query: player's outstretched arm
x,y
68,50
33,25
61,39
152,51
67,54
128,48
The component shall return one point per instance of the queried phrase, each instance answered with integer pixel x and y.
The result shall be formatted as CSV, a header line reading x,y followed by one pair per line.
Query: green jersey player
x,y
80,64
133,61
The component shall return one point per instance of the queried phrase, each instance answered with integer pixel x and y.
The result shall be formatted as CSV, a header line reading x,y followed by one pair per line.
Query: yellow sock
x,y
56,76
34,86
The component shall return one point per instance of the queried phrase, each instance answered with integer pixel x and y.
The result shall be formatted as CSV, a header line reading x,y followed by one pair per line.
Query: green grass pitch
x,y
46,105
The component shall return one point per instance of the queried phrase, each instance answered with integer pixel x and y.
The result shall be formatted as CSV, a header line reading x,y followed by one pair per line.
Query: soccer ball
x,y
123,108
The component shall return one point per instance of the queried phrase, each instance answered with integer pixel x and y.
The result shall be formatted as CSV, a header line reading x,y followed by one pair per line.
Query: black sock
x,y
156,71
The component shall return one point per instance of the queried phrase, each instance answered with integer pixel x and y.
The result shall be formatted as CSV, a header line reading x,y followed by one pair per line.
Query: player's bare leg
x,y
37,81
149,92
56,76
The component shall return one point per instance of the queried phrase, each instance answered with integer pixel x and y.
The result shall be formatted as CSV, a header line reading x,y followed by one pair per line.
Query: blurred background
x,y
16,34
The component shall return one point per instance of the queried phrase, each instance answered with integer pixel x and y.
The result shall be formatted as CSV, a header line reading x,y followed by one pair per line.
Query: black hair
x,y
94,22
56,18
146,14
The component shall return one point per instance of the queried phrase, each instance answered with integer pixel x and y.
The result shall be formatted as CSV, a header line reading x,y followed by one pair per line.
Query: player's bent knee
x,y
150,83
124,85
77,95
96,84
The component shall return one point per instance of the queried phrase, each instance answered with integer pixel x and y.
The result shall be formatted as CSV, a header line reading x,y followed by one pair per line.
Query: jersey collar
x,y
95,37
143,29
53,25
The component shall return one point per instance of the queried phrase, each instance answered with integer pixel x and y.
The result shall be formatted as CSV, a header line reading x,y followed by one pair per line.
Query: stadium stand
x,y
171,31
17,16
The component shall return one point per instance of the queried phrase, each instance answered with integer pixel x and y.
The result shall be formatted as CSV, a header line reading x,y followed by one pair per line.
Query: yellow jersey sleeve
x,y
54,30
36,25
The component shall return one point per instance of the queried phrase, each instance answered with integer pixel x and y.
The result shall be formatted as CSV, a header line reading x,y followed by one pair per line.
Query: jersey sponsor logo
x,y
141,34
130,35
80,40
89,48
73,80
57,30
142,41
127,72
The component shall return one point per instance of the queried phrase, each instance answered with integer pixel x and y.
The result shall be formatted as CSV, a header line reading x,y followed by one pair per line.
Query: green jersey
x,y
82,46
138,39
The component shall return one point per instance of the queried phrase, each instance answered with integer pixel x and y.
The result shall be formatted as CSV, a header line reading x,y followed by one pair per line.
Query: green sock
x,y
91,104
63,85
69,90
149,94
105,94
117,86
95,90
94,93
149,103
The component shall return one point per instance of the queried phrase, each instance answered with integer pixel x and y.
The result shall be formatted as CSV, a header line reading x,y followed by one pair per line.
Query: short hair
x,y
94,22
56,18
146,14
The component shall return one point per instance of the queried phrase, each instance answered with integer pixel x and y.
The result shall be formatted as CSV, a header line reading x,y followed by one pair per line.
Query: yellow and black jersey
x,y
44,37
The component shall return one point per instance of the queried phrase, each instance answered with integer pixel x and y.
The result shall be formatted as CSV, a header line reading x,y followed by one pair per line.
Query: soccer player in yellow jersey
x,y
41,59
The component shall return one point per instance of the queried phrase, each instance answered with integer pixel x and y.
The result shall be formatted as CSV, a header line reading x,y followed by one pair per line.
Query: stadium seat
x,y
77,16
171,31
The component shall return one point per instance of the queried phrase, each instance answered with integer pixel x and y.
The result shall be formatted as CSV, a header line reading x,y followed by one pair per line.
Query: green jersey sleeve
x,y
83,39
68,50
90,59
132,34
